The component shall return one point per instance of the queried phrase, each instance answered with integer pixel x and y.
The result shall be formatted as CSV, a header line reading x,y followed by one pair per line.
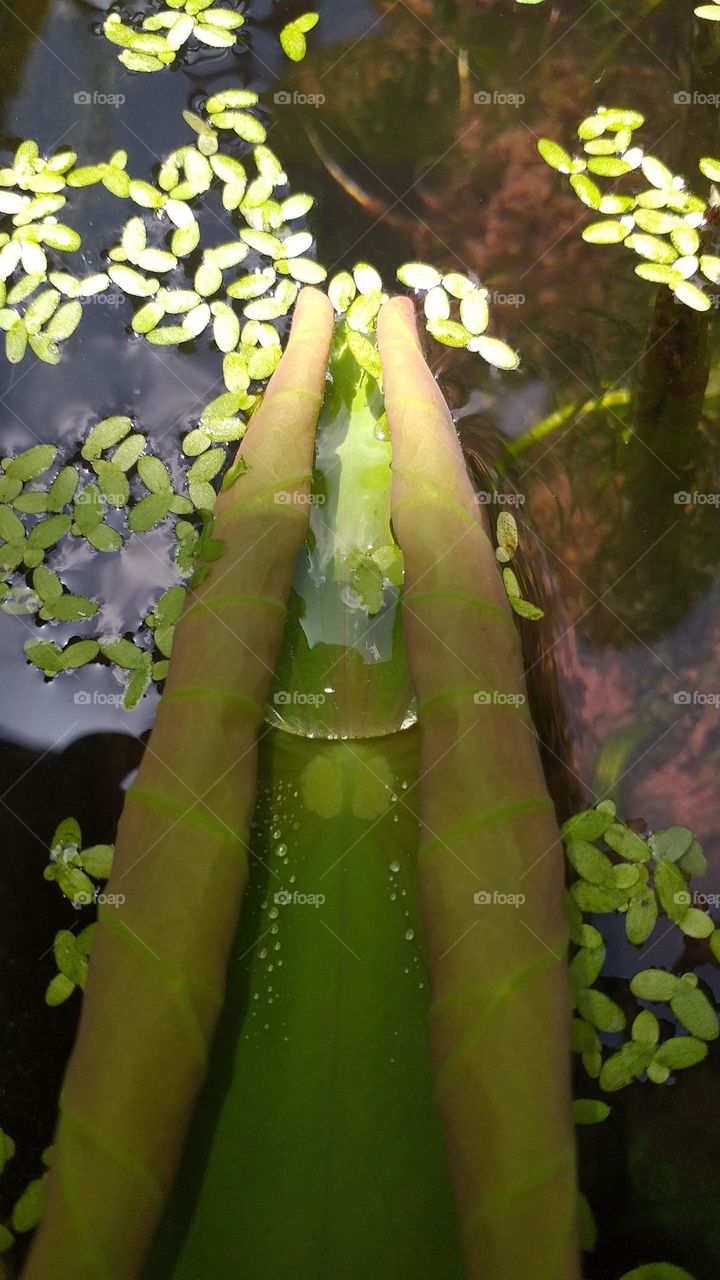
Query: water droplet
x,y
409,934
394,865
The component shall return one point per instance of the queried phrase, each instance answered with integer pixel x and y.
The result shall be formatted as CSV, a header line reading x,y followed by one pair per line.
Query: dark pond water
x,y
408,158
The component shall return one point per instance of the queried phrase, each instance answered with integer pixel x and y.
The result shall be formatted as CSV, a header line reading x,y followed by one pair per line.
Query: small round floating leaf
x,y
124,653
696,924
453,334
589,1111
692,296
306,271
646,1029
555,155
658,273
365,353
474,311
418,275
131,281
670,843
128,452
651,247
608,166
47,532
693,1009
169,335
16,342
590,863
45,655
694,862
27,1211
149,511
64,322
33,462
641,917
607,232
681,1052
621,1068
367,279
148,317
493,351
586,190
154,474
62,489
104,538
104,435
79,653
654,984
600,1011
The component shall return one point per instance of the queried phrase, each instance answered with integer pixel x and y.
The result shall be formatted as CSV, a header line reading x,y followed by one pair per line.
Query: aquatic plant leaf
x,y
625,842
696,924
27,1211
651,247
365,353
608,166
69,608
694,862
506,534
654,984
129,450
78,653
599,1010
452,334
493,351
590,863
16,342
606,232
306,271
586,967
555,155
437,304
589,1111
671,890
104,435
44,654
148,317
47,532
646,1029
124,653
641,917
59,989
621,1068
591,824
474,311
33,462
104,538
96,860
692,296
64,322
693,1009
418,275
597,898
149,511
131,281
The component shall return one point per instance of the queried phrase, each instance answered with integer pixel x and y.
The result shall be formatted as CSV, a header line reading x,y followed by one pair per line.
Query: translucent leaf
x,y
555,155
651,247
167,335
694,862
132,282
586,190
306,271
185,239
64,322
44,348
367,279
692,296
453,334
144,194
227,255
608,166
148,317
197,320
226,327
658,273
494,351
293,42
418,275
591,127
708,166
16,342
606,232
657,174
474,311
365,353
